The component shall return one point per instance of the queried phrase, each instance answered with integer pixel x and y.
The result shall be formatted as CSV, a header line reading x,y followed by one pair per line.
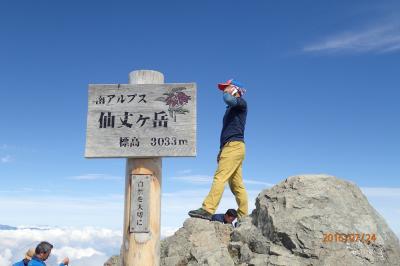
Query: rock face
x,y
301,221
198,242
306,216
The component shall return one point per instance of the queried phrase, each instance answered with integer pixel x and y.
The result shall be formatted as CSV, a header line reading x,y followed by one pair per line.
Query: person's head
x,y
230,216
232,87
29,254
233,90
43,250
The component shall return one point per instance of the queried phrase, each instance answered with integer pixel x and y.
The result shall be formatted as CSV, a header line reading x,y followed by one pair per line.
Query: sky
x,y
322,89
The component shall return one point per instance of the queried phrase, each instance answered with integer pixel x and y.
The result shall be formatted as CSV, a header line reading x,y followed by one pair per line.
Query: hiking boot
x,y
200,213
243,220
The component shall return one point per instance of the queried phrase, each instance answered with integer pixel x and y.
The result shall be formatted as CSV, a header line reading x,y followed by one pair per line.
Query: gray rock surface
x,y
296,214
287,228
113,261
198,242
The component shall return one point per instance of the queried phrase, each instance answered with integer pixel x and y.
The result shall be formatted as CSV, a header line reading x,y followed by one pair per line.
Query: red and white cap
x,y
233,82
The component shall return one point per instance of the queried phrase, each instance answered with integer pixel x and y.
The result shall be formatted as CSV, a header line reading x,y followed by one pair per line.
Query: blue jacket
x,y
38,262
20,263
234,119
218,218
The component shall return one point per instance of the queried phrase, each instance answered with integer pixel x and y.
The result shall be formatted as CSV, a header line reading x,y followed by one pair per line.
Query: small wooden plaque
x,y
140,204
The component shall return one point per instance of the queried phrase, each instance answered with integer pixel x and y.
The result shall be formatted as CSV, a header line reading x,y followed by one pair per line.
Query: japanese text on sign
x,y
139,222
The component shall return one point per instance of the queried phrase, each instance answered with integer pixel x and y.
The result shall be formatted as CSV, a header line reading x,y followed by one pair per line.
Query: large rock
x,y
297,213
300,221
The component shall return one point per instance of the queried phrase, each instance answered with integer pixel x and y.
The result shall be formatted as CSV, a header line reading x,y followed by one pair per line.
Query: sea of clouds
x,y
85,247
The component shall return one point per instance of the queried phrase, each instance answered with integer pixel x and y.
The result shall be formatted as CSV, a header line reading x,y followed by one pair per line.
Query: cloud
x,y
92,177
168,231
381,191
25,190
185,172
6,159
71,210
5,257
257,182
86,246
205,179
76,253
378,39
384,200
195,179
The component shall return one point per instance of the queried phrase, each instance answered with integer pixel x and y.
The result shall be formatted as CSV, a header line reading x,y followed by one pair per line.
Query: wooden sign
x,y
146,120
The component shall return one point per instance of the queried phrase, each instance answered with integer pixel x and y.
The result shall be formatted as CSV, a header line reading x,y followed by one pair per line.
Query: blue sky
x,y
322,81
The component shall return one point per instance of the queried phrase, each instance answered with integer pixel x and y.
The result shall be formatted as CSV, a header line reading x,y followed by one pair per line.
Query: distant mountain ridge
x,y
7,227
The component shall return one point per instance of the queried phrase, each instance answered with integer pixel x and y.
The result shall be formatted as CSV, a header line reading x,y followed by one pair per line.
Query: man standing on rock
x,y
231,155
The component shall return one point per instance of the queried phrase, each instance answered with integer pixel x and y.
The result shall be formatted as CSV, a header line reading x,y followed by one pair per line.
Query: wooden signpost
x,y
142,121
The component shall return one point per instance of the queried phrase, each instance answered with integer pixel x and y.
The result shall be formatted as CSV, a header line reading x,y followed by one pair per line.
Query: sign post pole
x,y
142,121
143,248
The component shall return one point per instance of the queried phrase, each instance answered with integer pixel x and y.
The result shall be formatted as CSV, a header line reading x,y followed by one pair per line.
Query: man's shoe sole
x,y
195,215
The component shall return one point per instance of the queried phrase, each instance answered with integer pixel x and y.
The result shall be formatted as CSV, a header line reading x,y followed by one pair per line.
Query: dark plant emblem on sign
x,y
176,99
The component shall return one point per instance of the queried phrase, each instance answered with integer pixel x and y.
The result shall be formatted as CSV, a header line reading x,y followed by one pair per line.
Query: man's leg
x,y
230,159
238,189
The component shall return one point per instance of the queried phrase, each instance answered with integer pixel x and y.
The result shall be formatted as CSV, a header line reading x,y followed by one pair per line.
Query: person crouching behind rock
x,y
226,218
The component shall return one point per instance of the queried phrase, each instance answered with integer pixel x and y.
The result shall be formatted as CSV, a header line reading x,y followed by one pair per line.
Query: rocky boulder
x,y
113,261
326,220
198,242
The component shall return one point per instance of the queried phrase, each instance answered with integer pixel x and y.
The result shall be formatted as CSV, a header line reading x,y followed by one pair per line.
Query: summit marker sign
x,y
141,120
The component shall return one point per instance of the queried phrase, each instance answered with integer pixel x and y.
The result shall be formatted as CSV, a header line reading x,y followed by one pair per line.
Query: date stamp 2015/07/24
x,y
348,238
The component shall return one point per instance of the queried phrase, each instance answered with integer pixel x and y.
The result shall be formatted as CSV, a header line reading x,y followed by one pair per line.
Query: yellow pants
x,y
229,170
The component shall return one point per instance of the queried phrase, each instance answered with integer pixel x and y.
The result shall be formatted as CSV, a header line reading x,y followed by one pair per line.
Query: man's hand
x,y
229,89
65,261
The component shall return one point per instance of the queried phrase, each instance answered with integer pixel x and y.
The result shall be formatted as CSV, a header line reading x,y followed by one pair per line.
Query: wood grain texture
x,y
143,248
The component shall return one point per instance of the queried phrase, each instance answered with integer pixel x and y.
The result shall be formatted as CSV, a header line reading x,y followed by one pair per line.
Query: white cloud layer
x,y
87,246
379,39
5,257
